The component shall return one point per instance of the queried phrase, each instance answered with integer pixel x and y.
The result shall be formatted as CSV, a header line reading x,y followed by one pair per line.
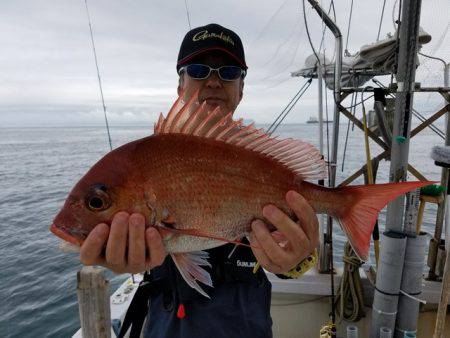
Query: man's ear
x,y
180,85
241,90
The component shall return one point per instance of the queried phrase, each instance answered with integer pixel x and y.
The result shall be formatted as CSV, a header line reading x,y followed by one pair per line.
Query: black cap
x,y
211,37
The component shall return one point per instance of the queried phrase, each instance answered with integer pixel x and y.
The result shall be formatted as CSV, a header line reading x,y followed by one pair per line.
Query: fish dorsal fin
x,y
193,118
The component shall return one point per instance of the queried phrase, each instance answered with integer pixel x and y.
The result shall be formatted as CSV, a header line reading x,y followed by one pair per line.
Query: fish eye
x,y
98,198
96,203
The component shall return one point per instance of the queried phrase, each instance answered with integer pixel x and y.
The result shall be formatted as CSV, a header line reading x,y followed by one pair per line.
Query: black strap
x,y
137,311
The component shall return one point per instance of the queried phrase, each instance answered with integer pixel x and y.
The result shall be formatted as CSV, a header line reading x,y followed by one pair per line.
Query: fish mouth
x,y
65,235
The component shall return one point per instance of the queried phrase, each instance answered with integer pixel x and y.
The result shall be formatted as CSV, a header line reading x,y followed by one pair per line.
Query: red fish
x,y
202,178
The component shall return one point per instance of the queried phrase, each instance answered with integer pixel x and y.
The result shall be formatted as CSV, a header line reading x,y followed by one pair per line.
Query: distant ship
x,y
313,119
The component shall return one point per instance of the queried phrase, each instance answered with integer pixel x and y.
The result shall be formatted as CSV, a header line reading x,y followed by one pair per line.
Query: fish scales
x,y
206,185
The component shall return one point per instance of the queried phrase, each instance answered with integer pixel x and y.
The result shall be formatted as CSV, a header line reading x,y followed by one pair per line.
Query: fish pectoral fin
x,y
190,266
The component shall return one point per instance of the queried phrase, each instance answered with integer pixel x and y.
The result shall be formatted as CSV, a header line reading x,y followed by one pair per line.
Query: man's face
x,y
225,94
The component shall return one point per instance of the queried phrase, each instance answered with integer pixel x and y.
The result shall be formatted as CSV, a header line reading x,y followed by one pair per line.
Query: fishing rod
x,y
98,75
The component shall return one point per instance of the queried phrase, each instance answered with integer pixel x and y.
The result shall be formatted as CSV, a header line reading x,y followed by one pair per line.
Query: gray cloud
x,y
48,73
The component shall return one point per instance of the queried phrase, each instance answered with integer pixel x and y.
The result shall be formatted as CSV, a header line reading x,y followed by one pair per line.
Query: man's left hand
x,y
301,238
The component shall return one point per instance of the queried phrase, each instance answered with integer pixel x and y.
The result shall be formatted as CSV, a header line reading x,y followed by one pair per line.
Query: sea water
x,y
39,166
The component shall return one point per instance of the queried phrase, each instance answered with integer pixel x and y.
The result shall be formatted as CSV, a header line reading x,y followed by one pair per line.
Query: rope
x,y
348,30
381,20
98,75
187,14
280,118
350,293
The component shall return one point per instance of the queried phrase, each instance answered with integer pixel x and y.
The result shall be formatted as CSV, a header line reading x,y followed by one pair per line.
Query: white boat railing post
x,y
323,264
332,26
93,303
385,305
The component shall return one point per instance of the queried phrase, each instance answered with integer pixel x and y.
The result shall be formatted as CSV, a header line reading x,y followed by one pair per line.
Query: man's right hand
x,y
130,248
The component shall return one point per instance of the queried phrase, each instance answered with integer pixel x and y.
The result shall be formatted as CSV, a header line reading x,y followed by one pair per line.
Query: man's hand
x,y
130,248
302,238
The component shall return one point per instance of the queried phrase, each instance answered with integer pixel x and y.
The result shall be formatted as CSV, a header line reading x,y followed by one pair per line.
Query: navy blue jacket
x,y
239,304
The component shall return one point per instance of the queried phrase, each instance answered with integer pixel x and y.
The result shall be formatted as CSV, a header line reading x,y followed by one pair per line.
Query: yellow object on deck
x,y
328,331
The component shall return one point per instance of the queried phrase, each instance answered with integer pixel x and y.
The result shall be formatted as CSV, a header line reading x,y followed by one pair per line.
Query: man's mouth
x,y
213,101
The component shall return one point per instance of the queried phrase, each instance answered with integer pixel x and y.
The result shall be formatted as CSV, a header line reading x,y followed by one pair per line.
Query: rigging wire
x,y
290,63
281,45
266,26
381,20
280,118
308,34
348,30
98,75
187,14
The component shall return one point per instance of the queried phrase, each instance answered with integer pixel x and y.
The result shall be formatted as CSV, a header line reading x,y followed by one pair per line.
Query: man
x,y
211,61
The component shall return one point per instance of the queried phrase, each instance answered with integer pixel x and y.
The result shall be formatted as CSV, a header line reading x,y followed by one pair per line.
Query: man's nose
x,y
213,81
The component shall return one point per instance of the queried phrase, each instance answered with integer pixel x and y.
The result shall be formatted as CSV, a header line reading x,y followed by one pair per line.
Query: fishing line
x,y
98,75
187,14
275,124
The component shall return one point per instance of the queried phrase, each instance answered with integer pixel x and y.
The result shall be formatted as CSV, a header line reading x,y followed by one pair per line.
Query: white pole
x,y
385,305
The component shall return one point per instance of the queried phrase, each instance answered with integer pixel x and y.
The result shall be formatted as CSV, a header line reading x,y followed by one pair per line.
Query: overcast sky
x,y
48,74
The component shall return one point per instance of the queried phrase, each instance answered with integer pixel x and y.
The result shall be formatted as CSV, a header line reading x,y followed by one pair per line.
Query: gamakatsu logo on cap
x,y
203,35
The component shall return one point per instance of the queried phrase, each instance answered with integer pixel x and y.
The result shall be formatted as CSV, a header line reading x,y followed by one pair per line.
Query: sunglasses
x,y
202,72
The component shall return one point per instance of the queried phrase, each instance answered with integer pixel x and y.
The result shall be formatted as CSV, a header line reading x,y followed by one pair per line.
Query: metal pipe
x,y
444,182
337,99
324,263
320,87
446,84
408,307
387,304
337,85
384,308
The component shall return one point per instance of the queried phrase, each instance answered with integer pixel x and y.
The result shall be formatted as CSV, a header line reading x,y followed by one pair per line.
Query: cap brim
x,y
208,49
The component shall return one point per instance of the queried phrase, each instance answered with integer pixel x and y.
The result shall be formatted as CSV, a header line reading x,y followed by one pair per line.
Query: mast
x,y
389,273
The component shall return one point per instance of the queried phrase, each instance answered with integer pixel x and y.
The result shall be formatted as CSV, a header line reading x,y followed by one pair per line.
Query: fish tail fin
x,y
358,219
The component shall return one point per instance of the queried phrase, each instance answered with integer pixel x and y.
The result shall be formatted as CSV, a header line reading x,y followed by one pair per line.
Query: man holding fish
x,y
168,203
212,62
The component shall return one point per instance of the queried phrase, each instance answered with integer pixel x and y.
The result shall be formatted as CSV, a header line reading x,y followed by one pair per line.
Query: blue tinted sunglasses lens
x,y
229,73
197,71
